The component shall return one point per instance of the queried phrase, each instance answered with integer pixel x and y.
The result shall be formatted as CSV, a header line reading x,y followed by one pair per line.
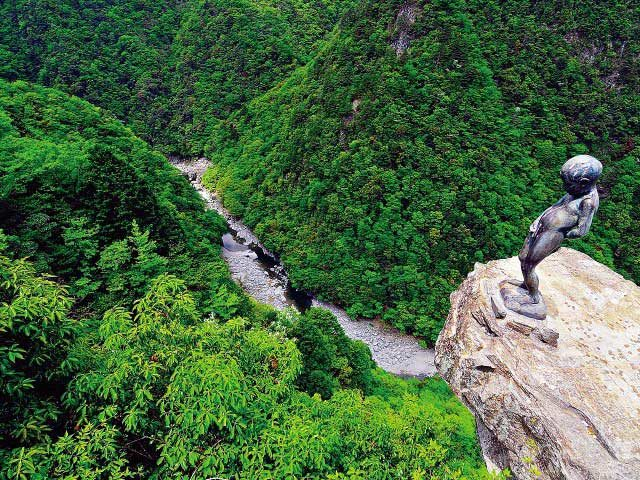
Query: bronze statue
x,y
570,217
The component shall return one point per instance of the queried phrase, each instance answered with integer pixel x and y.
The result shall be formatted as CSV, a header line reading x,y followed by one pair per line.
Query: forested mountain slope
x,y
153,363
114,54
380,146
425,136
411,141
85,199
170,68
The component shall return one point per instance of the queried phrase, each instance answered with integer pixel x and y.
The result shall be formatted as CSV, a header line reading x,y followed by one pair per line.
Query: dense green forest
x,y
380,147
171,69
382,173
152,363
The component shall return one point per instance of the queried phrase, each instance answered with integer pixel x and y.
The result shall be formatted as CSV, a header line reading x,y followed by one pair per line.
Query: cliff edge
x,y
553,399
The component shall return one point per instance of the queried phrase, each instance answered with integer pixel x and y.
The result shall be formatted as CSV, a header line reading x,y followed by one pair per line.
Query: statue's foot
x,y
517,299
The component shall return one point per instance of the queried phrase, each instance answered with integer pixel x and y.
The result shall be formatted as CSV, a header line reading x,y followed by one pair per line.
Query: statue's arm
x,y
588,209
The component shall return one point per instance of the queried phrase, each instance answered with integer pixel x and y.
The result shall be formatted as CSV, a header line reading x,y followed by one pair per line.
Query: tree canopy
x,y
380,147
153,363
381,175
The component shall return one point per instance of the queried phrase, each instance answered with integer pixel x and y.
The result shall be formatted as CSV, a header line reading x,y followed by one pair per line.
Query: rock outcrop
x,y
553,399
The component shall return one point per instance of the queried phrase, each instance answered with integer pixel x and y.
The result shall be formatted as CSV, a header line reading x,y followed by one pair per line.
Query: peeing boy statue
x,y
570,217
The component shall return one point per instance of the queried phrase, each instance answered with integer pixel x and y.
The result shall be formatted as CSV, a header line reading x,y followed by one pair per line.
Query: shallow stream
x,y
262,276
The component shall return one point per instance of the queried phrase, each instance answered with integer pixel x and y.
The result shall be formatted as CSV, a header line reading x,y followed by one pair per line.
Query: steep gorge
x,y
382,174
262,276
380,147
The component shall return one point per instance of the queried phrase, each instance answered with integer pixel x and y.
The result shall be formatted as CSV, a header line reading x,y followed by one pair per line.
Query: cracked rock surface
x,y
547,411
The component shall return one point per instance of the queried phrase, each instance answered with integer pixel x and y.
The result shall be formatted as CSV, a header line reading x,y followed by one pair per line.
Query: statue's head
x,y
580,174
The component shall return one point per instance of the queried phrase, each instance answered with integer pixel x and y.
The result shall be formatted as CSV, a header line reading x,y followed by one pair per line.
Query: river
x,y
262,276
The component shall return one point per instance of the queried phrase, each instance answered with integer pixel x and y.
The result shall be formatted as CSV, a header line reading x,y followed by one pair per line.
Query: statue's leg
x,y
531,280
522,256
539,248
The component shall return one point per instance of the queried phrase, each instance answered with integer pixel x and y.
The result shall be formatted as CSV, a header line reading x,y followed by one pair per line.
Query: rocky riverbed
x,y
262,276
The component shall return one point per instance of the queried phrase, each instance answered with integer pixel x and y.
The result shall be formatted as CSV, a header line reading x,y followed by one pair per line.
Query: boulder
x,y
557,398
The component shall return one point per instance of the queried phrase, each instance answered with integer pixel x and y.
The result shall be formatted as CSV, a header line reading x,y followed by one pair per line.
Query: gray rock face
x,y
405,19
553,399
